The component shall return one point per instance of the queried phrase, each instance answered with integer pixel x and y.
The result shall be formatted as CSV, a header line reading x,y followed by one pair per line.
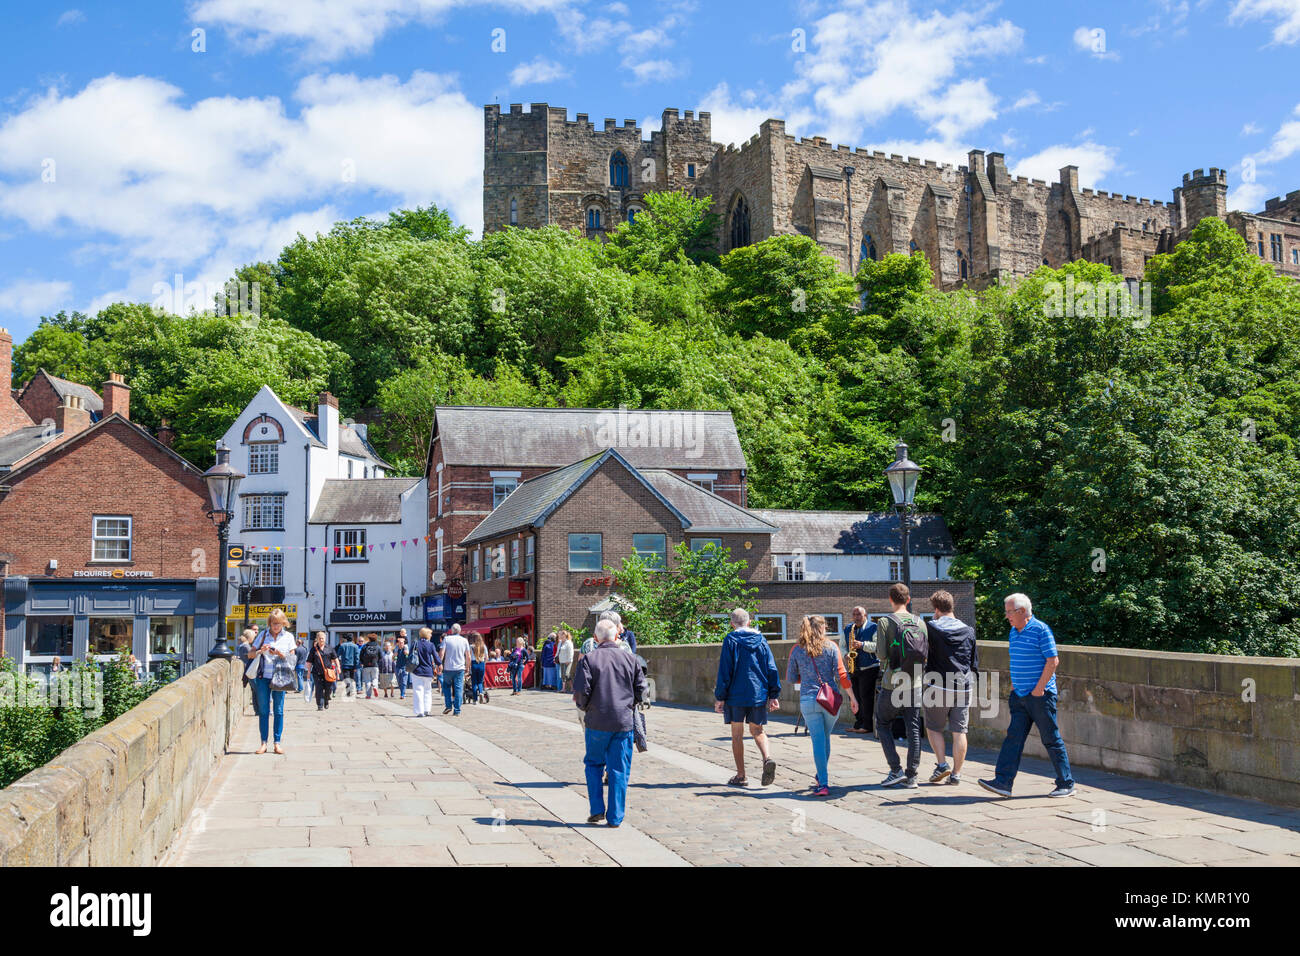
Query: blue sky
x,y
133,150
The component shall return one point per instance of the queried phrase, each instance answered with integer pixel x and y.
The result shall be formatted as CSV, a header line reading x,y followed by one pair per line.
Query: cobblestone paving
x,y
365,783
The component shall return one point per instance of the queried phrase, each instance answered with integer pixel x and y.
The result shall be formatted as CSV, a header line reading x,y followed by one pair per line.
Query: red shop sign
x,y
605,582
518,589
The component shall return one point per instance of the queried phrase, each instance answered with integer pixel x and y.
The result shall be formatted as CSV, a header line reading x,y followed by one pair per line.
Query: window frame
x,y
599,552
30,656
662,564
341,594
514,557
530,554
96,538
699,544
270,450
253,504
498,481
359,542
269,574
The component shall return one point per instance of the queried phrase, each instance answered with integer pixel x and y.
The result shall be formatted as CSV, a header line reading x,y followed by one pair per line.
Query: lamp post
x,y
247,568
903,475
223,484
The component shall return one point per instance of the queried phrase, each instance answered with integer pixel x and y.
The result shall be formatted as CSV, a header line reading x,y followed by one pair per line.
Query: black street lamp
x,y
902,475
223,484
247,568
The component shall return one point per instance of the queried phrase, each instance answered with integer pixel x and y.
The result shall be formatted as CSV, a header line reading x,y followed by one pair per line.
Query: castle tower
x,y
1202,196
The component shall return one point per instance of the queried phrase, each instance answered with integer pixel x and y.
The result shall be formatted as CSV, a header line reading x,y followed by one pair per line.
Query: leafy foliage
x,y
680,604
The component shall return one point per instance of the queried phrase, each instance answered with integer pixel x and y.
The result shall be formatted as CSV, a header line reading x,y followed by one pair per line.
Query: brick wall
x,y
12,416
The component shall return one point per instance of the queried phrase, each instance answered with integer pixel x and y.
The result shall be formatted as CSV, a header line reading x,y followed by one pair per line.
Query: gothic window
x,y
593,218
618,170
962,267
514,212
632,211
740,235
868,250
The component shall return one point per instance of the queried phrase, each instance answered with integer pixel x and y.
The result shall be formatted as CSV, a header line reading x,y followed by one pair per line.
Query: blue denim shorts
x,y
744,715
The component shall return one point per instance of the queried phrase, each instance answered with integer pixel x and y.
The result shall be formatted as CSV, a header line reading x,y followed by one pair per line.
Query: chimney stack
x,y
12,416
327,420
166,434
117,397
71,417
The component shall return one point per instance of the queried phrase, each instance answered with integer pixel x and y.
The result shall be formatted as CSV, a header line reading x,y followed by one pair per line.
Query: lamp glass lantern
x,y
247,568
903,475
223,482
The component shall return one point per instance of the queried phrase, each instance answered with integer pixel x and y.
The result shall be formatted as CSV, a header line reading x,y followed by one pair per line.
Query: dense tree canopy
x,y
1137,475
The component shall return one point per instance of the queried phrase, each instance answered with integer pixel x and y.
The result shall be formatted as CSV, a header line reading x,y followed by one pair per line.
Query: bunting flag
x,y
345,549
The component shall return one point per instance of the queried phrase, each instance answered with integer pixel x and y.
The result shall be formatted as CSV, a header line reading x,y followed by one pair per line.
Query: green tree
x,y
687,601
783,284
673,227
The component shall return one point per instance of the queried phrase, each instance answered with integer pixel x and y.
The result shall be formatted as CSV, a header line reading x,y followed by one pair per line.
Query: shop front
x,y
441,611
499,631
348,625
257,615
169,625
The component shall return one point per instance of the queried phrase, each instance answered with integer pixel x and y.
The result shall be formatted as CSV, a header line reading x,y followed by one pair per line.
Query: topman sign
x,y
365,617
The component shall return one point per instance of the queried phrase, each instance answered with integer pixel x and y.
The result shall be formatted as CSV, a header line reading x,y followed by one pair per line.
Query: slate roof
x,y
20,443
361,501
351,443
853,532
92,400
555,437
705,511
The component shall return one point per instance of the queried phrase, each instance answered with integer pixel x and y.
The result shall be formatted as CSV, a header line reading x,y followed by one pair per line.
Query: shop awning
x,y
485,625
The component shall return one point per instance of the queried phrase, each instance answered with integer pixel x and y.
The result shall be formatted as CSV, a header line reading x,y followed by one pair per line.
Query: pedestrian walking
x,y
478,656
548,663
427,664
403,651
564,659
387,669
902,644
518,658
748,686
950,670
242,651
815,662
607,686
300,659
866,670
349,657
455,656
369,658
1032,699
323,670
271,657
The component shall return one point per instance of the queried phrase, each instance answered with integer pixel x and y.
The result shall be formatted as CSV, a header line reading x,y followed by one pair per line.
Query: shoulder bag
x,y
828,695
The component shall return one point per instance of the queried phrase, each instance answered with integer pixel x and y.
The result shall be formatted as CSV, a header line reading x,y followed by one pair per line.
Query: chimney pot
x,y
117,396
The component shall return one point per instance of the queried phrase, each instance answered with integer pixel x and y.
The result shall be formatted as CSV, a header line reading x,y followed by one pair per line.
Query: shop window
x,y
108,634
264,458
501,488
699,544
49,636
172,636
530,555
264,512
653,548
350,597
112,538
350,544
585,552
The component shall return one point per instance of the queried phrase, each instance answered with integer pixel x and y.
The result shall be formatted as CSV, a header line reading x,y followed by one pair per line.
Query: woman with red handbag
x,y
323,665
812,661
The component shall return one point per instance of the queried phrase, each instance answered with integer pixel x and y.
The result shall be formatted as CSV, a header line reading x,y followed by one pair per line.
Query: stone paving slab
x,y
368,784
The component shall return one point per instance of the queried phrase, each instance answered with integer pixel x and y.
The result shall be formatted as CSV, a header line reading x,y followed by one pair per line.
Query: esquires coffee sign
x,y
110,573
365,617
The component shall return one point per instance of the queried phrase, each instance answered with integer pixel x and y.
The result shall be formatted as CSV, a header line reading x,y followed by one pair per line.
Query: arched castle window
x,y
514,212
740,234
632,211
868,250
962,266
593,218
618,170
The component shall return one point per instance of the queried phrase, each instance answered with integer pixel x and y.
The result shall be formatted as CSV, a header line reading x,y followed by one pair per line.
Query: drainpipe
x,y
848,195
306,515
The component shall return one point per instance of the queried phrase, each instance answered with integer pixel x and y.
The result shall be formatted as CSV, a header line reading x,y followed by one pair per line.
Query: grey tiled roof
x,y
361,501
705,510
351,443
554,437
20,443
853,532
528,502
63,388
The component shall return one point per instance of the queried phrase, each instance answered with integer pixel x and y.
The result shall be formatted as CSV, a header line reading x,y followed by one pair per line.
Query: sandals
x,y
738,781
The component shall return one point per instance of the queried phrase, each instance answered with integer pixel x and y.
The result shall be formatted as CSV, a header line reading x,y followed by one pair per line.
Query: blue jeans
x,y
517,678
1041,712
264,696
477,674
612,752
403,680
452,684
297,673
820,723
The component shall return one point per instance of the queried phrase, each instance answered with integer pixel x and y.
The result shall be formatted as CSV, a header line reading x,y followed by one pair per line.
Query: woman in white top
x,y
274,644
564,658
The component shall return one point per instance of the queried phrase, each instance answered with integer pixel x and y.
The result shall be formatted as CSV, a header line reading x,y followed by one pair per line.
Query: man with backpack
x,y
349,657
369,657
902,644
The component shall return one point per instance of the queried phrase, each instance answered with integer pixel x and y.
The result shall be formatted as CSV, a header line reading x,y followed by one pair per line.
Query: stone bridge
x,y
1167,751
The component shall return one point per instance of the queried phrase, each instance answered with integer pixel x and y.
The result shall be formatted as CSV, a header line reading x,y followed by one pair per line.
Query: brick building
x,y
479,455
976,223
104,541
537,561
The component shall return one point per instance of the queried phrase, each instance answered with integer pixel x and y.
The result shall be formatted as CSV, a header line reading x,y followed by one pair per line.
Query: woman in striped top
x,y
815,661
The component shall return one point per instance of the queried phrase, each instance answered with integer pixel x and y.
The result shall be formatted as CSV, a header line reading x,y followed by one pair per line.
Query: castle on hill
x,y
977,224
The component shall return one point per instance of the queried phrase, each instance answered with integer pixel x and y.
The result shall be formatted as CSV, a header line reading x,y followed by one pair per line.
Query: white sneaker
x,y
1063,791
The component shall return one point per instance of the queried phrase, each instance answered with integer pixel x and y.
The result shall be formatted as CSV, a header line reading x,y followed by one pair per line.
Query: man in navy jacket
x,y
748,687
866,668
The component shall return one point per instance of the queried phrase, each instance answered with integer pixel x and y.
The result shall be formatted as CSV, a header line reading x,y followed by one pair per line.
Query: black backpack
x,y
909,644
370,655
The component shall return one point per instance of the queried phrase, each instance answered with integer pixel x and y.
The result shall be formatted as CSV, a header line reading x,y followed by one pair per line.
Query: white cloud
x,y
650,70
330,29
1248,196
1286,12
1093,41
69,17
1251,129
735,122
538,70
1027,99
135,167
33,297
1285,142
1094,160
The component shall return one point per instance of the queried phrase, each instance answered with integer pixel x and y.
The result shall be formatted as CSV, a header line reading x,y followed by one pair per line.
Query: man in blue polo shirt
x,y
1033,657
